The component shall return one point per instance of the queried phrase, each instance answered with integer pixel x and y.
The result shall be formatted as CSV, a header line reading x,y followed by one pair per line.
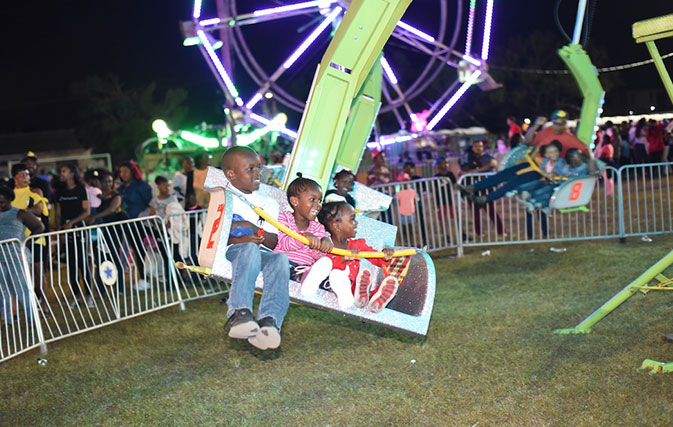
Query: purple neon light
x,y
416,31
450,103
218,65
209,22
470,26
239,101
253,101
311,38
487,30
267,122
290,7
197,9
472,60
389,71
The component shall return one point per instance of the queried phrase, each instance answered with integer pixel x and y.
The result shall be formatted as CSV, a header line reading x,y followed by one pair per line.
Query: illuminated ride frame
x,y
647,32
354,82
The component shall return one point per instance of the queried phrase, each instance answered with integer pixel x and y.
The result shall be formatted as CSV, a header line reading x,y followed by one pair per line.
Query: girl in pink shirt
x,y
305,197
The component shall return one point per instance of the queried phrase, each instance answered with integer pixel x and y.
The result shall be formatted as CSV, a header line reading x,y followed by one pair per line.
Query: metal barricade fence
x,y
507,221
645,206
185,231
20,331
424,212
90,277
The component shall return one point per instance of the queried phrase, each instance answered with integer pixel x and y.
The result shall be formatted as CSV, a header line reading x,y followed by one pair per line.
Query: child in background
x,y
344,272
159,203
304,196
343,181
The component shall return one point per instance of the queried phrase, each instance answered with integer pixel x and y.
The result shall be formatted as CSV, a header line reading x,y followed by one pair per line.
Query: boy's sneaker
x,y
243,325
384,294
268,336
362,288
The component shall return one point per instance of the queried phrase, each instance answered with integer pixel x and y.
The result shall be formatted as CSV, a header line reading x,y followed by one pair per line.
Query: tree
x,y
116,119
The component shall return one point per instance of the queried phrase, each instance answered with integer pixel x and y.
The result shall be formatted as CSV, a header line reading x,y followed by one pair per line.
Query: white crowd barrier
x,y
89,277
423,211
184,232
19,331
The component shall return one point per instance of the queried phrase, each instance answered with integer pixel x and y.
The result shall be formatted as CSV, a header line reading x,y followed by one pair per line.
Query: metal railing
x,y
185,231
633,200
423,211
94,276
19,331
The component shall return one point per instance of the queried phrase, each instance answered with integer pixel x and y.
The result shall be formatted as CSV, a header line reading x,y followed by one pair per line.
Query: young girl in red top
x,y
351,286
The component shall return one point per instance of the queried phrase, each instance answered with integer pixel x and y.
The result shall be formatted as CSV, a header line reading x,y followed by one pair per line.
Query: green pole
x,y
586,76
661,68
585,326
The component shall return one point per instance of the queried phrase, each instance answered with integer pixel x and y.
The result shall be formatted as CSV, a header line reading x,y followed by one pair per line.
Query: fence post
x,y
32,297
173,269
620,205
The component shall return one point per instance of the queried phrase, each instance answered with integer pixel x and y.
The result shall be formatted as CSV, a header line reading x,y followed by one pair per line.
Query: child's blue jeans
x,y
248,260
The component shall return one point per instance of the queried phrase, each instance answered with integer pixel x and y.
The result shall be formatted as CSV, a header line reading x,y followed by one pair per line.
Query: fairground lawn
x,y
490,357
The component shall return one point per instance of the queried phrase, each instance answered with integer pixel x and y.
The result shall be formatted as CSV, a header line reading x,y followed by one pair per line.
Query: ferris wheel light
x,y
487,30
239,101
209,22
451,102
197,9
282,129
291,7
389,71
416,31
311,38
218,64
253,101
471,60
470,26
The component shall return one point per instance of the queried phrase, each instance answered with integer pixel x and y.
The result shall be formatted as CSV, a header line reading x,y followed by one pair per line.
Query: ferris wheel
x,y
276,46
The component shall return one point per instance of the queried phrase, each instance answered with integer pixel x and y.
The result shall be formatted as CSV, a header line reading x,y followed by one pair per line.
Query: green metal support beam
x,y
586,75
355,47
363,113
652,273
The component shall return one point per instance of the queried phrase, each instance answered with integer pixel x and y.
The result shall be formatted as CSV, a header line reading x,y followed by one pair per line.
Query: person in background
x,y
343,183
93,191
180,184
537,137
136,196
444,200
164,204
201,196
72,208
639,142
136,193
655,139
475,160
13,224
35,180
379,172
514,128
25,198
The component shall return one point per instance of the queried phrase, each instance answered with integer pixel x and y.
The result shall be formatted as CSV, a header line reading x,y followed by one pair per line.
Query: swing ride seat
x,y
408,312
573,194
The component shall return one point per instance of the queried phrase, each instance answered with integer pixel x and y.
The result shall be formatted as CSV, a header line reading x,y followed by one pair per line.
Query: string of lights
x,y
600,70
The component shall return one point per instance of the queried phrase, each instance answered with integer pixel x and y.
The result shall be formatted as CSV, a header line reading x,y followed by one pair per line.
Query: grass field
x,y
489,358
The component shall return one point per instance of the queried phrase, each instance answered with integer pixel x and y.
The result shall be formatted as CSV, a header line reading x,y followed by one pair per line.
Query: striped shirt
x,y
295,250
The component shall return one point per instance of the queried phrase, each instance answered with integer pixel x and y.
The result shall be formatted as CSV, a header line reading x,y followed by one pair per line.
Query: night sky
x,y
50,45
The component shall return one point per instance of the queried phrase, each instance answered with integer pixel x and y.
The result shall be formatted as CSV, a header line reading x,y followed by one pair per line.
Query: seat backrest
x,y
514,156
573,193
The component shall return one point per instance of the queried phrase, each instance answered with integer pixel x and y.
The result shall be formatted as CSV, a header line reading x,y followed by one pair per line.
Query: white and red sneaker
x,y
384,294
362,288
